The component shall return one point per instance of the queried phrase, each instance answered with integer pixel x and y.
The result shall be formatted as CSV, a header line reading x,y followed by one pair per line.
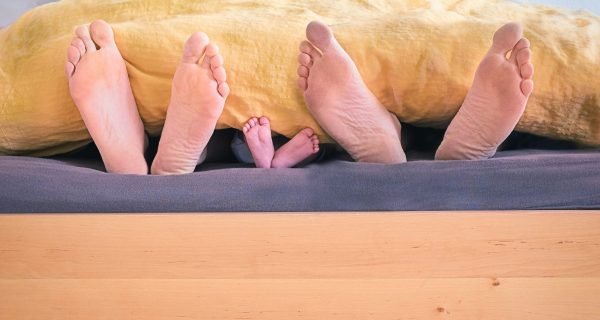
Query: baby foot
x,y
99,86
258,137
495,102
303,145
198,95
340,101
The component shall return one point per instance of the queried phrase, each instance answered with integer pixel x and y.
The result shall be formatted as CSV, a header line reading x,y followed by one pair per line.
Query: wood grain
x,y
531,298
319,245
425,265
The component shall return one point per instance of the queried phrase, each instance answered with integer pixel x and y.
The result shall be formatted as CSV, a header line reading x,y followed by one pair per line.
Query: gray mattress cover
x,y
524,179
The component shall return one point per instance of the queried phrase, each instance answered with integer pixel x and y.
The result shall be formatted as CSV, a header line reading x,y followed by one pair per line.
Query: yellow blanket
x,y
417,56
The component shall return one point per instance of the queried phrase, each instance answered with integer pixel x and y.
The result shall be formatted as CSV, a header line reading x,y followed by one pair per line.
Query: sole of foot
x,y
340,101
302,146
257,133
496,100
99,85
198,95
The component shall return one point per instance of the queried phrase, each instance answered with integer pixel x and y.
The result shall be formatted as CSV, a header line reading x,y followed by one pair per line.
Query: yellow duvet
x,y
418,57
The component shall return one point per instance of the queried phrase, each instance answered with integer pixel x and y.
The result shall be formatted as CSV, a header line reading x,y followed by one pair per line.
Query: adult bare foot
x,y
340,101
303,145
258,137
198,95
495,102
100,88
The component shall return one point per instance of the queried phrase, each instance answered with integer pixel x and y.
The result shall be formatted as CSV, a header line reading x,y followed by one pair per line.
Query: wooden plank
x,y
342,245
222,299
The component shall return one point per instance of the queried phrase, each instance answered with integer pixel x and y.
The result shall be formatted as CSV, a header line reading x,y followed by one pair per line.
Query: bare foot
x,y
198,95
303,145
100,88
258,137
340,101
495,102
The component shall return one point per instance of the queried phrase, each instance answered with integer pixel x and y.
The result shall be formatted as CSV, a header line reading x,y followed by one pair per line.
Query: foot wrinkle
x,y
197,101
342,104
493,105
338,98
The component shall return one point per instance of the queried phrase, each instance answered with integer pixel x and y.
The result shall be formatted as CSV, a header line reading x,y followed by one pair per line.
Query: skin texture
x,y
496,100
198,94
342,104
338,98
99,86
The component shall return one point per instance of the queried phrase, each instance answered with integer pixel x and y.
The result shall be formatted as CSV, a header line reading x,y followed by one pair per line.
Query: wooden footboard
x,y
457,265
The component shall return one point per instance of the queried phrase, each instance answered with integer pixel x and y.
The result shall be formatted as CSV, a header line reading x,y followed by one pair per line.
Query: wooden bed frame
x,y
392,265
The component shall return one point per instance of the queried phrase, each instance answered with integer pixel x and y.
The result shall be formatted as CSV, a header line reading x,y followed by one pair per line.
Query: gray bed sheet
x,y
523,179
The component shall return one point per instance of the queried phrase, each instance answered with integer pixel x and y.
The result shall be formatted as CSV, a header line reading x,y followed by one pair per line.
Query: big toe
x,y
102,33
307,132
264,121
507,37
320,35
194,47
